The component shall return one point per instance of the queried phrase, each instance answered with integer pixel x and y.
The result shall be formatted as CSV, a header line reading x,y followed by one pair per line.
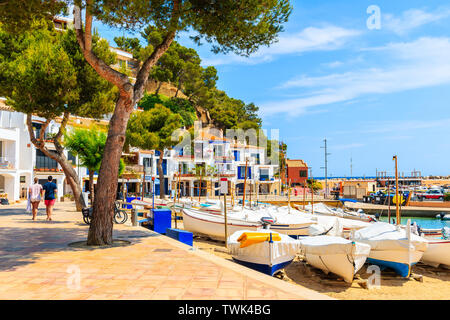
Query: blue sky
x,y
370,93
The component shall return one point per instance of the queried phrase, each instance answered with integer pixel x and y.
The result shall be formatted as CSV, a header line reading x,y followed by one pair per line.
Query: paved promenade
x,y
37,263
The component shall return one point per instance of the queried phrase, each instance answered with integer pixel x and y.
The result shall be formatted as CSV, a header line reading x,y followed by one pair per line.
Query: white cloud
x,y
309,39
411,65
411,19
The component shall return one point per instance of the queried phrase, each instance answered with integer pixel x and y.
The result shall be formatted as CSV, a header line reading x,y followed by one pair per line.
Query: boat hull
x,y
214,226
264,268
438,253
336,255
267,256
400,261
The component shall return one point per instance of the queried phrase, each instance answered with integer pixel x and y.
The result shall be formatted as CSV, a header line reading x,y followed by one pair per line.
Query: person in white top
x,y
35,193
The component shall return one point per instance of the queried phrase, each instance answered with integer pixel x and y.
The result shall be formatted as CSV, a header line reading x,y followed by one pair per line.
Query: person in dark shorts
x,y
50,189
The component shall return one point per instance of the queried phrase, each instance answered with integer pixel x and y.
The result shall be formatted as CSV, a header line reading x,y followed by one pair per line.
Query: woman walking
x,y
35,193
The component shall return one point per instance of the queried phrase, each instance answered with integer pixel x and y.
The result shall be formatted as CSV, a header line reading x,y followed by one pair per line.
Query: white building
x,y
20,161
218,156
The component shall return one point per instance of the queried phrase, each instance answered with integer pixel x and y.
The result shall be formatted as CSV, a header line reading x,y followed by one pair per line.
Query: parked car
x,y
435,194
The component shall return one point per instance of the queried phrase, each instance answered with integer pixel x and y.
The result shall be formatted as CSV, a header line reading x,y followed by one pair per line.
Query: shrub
x,y
447,197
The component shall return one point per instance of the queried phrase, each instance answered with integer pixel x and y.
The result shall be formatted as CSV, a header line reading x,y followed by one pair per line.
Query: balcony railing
x,y
43,162
7,163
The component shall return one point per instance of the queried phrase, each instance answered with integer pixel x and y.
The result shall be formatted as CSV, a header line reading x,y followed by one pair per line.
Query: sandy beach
x,y
435,283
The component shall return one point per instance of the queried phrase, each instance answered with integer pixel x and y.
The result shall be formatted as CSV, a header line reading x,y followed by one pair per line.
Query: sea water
x,y
427,223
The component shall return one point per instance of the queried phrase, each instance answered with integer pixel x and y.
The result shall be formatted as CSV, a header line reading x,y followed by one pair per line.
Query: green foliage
x,y
254,22
177,105
314,184
153,129
447,197
18,15
37,75
43,72
88,145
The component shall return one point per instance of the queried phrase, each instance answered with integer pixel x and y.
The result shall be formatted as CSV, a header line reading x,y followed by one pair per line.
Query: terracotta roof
x,y
296,163
4,106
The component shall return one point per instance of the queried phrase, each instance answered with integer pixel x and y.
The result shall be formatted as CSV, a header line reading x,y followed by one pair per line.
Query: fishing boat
x,y
443,216
325,224
323,209
392,246
264,250
335,254
213,224
438,252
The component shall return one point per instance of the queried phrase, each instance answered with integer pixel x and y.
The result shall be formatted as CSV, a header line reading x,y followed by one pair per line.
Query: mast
x,y
397,200
326,167
245,182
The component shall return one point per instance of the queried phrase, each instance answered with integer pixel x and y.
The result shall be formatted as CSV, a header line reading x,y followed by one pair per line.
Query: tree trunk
x,y
91,185
162,194
58,156
101,227
73,180
158,87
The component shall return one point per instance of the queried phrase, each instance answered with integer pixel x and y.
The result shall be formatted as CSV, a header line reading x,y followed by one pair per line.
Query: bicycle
x,y
120,216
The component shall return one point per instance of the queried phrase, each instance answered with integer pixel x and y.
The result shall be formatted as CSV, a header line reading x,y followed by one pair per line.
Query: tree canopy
x,y
230,26
153,129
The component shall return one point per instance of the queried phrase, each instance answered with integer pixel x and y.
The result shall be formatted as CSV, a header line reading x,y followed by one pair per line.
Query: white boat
x,y
443,216
392,246
335,254
438,252
263,250
323,209
213,224
325,224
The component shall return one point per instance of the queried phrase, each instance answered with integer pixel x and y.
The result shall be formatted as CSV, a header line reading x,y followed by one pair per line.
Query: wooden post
x,y
289,196
245,182
250,198
225,217
397,208
200,188
304,196
233,190
257,193
143,185
389,201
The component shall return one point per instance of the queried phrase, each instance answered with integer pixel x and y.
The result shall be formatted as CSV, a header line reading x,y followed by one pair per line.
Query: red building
x,y
297,172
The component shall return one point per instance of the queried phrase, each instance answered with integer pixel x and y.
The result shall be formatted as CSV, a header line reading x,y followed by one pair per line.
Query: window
x,y
218,151
256,156
236,155
42,161
71,158
263,174
241,172
303,173
147,162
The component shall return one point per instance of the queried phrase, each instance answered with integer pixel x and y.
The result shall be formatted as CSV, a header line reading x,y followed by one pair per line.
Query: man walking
x,y
50,189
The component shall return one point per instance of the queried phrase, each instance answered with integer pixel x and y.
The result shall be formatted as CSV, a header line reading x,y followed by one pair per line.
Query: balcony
x,y
223,159
134,168
7,163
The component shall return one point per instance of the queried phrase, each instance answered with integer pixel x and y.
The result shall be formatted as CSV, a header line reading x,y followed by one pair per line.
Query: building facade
x,y
297,172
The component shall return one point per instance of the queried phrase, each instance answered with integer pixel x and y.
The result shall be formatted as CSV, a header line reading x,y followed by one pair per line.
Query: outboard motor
x,y
87,212
267,222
